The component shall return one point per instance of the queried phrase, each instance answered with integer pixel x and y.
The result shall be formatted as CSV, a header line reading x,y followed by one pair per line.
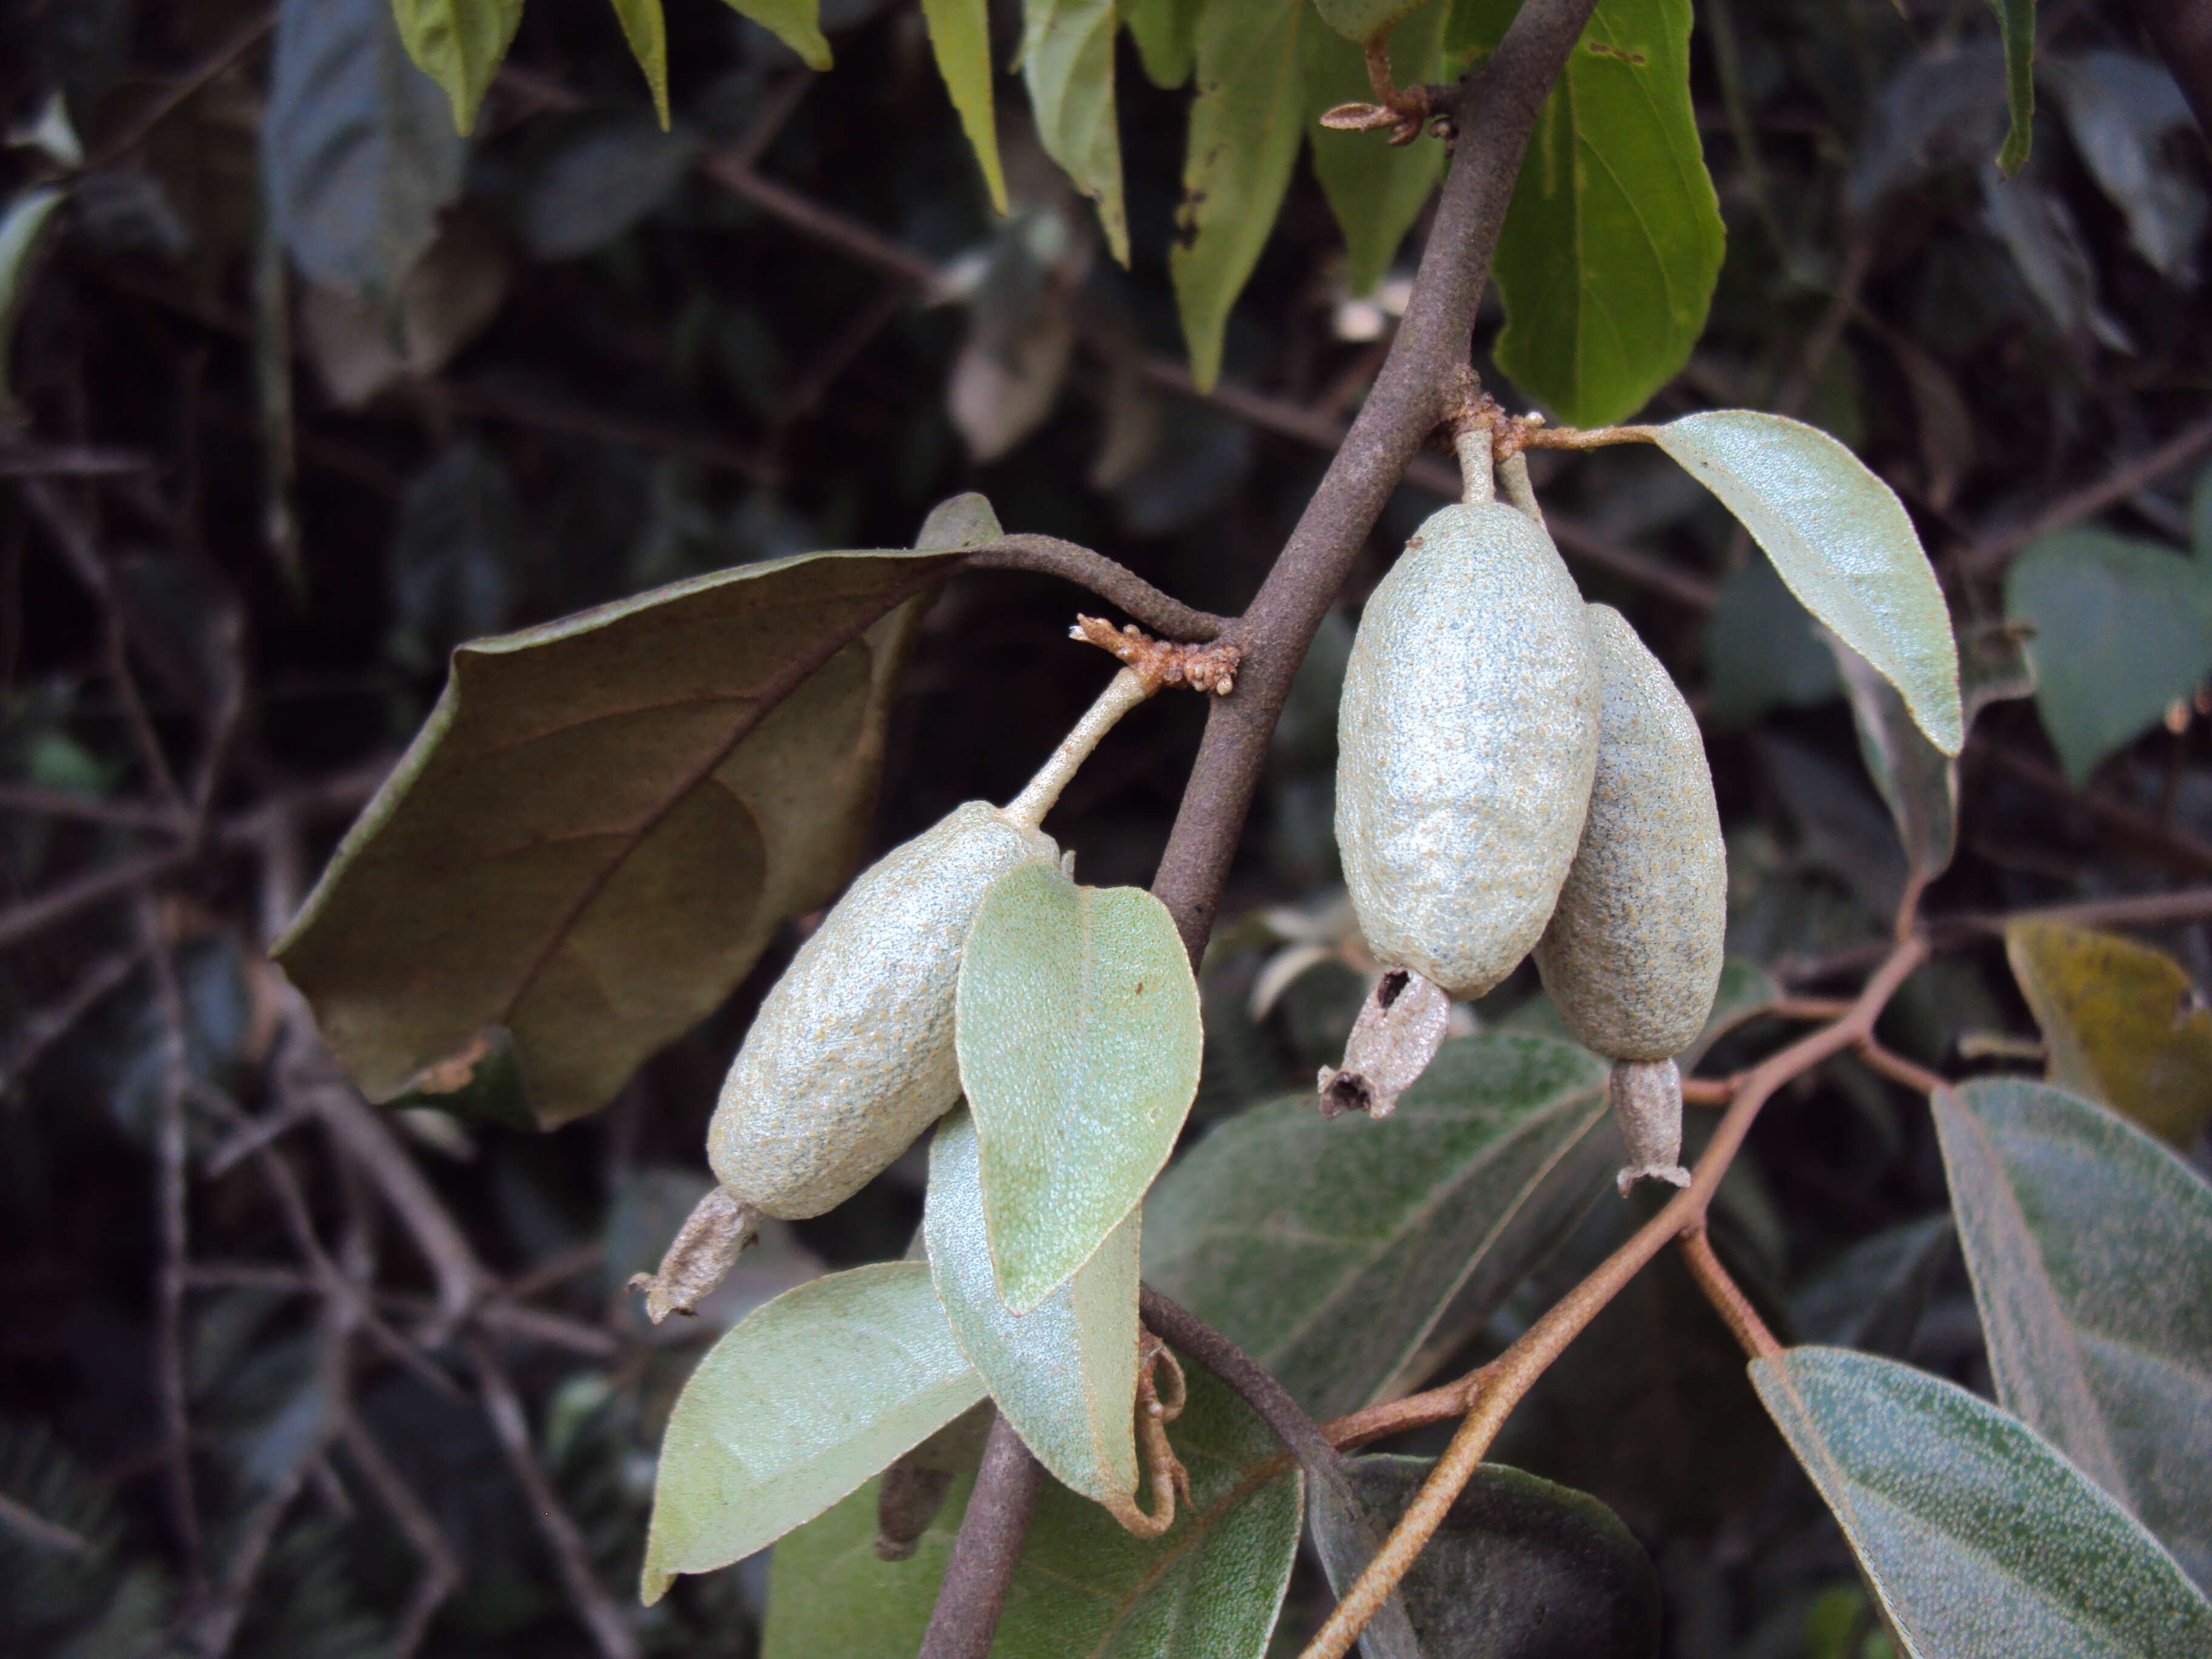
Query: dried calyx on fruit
x,y
1466,740
1632,955
852,1054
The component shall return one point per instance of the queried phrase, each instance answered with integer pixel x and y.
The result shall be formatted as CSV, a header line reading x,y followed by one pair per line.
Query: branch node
x,y
1212,667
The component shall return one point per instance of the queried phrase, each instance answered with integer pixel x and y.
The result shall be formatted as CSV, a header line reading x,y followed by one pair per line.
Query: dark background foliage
x,y
636,369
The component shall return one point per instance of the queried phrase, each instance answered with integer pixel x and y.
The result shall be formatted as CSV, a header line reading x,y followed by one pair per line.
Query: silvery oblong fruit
x,y
1632,955
852,1054
1466,740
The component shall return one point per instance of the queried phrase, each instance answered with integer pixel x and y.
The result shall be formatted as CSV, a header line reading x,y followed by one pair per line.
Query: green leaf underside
x,y
797,23
2122,628
1065,1375
1246,124
604,819
1078,1027
458,44
802,1401
2090,1247
1839,536
1067,64
1375,190
1610,250
359,152
1330,1251
1980,1539
1085,1588
960,36
1519,1565
2122,1024
1166,34
647,31
2016,18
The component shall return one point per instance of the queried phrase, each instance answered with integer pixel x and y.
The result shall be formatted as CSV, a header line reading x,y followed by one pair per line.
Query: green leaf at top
x,y
1208,1588
797,23
359,154
605,820
1063,1375
1363,20
1067,62
1520,1566
1166,34
1609,252
458,44
2122,628
647,31
1077,1021
2016,18
1374,189
805,1398
1245,127
960,36
1839,536
1329,1251
1978,1538
2090,1247
2122,1024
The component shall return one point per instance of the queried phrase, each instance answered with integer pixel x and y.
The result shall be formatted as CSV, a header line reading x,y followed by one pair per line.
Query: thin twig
x,y
93,808
170,1149
241,41
1509,1377
1990,551
982,1570
441,1567
610,1631
1728,1299
48,1025
1267,1397
1111,582
1896,1067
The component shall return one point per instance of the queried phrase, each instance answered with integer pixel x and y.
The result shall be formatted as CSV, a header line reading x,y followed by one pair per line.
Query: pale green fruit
x,y
1466,738
1632,956
852,1054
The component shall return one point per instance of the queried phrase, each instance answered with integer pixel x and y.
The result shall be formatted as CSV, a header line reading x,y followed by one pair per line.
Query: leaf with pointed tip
x,y
1210,1586
2016,18
2090,1247
1077,1021
1064,1373
21,229
1840,538
458,44
1329,1250
804,1399
605,820
960,36
1375,190
797,23
358,153
1977,1537
1166,34
2122,1024
1068,63
1246,124
1520,1568
647,31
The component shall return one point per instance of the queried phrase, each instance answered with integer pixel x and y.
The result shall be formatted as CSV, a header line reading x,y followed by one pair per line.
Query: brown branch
x,y
441,1569
989,1543
1896,1067
1990,551
241,41
1508,1378
1298,1432
2151,836
1115,583
170,1148
610,1632
1728,1299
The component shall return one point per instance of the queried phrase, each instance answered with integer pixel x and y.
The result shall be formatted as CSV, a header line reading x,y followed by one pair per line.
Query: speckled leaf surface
x,y
1328,1250
1839,536
1521,1567
807,1398
1085,1588
1978,1538
2122,1024
1064,1373
2090,1247
604,819
1077,1021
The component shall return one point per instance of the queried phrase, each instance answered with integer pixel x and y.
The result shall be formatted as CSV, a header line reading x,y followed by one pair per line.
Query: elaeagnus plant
x,y
1022,1415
